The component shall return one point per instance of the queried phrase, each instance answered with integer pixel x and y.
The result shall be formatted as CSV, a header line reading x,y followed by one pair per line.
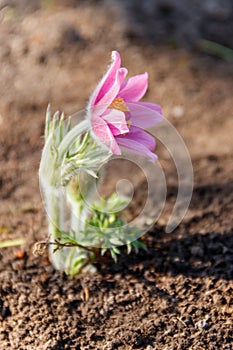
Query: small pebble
x,y
203,324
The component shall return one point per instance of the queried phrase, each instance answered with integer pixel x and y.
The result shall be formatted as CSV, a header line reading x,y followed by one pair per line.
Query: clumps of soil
x,y
176,295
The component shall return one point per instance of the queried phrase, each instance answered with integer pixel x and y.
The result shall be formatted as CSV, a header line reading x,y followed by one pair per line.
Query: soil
x,y
178,293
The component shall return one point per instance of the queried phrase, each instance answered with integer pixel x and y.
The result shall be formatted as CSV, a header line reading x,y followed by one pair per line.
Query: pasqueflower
x,y
117,117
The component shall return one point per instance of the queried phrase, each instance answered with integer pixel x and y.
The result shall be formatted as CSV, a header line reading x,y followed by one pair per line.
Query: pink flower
x,y
117,116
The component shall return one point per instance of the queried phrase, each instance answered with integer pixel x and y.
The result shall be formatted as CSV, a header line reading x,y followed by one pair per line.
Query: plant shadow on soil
x,y
192,256
199,247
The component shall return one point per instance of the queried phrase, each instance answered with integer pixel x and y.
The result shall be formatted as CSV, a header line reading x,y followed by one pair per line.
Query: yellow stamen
x,y
119,103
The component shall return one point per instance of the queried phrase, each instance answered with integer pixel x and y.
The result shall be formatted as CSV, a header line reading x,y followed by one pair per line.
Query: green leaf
x,y
61,128
129,248
92,173
113,255
138,245
213,48
69,125
114,252
116,241
103,250
47,122
77,266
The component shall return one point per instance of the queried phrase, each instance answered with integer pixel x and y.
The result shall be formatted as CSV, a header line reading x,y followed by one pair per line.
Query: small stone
x,y
202,324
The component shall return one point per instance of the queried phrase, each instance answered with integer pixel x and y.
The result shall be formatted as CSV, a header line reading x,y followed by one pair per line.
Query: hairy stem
x,y
54,206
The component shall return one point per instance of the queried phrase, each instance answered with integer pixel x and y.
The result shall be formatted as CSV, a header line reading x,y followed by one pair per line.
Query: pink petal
x,y
141,136
134,88
144,115
152,106
116,121
135,147
109,95
103,133
99,108
107,80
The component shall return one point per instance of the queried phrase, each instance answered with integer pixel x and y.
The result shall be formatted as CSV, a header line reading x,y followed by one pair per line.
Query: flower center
x,y
119,103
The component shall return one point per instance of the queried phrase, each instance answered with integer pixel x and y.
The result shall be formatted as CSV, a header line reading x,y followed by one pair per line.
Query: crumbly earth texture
x,y
178,293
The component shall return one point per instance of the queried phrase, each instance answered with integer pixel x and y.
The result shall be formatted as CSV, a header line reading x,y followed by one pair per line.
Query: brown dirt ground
x,y
178,295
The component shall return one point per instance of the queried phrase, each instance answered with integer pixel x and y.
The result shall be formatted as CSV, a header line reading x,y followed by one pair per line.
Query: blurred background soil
x,y
178,295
